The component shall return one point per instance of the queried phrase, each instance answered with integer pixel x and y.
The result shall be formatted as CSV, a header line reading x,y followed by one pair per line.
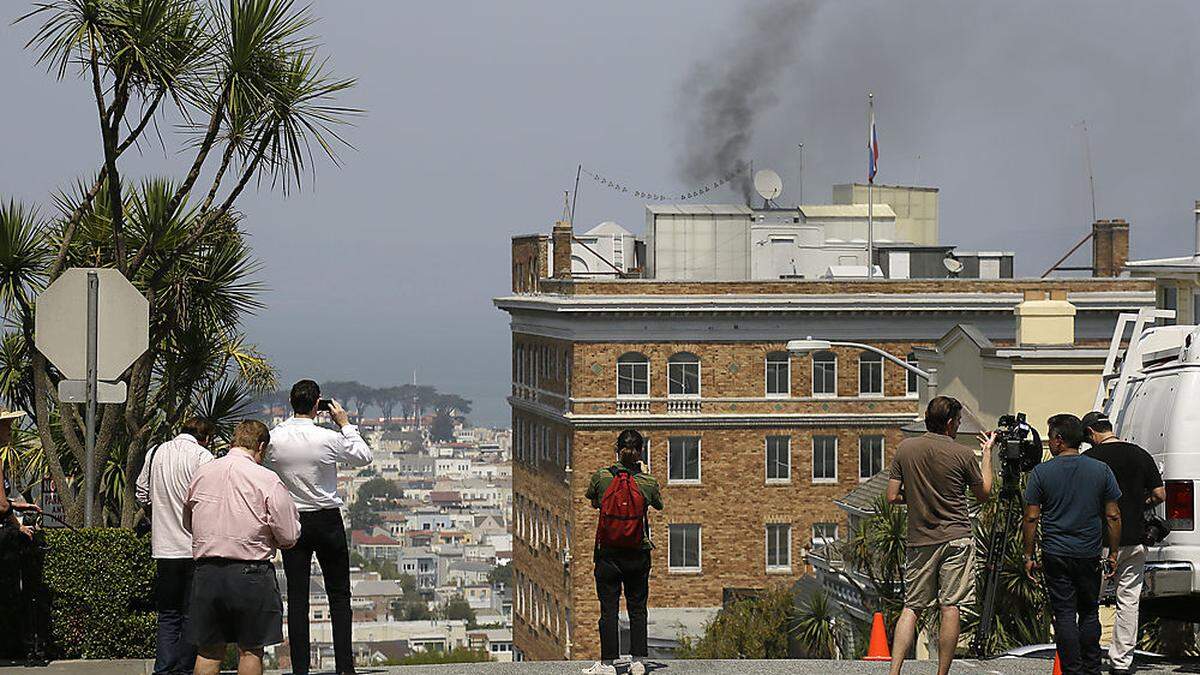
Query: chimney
x,y
561,245
1110,246
1045,319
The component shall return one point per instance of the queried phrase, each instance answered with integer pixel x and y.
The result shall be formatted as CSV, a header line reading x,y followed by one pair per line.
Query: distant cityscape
x,y
430,534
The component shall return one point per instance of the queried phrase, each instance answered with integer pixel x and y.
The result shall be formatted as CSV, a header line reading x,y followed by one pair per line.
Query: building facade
x,y
751,445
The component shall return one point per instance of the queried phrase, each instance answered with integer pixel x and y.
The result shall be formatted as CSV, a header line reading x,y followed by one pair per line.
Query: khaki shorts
x,y
940,575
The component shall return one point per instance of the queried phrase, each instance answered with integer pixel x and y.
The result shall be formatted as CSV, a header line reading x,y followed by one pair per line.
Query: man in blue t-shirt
x,y
1072,496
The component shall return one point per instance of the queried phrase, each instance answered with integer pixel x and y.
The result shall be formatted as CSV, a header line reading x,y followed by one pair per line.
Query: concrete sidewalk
x,y
961,667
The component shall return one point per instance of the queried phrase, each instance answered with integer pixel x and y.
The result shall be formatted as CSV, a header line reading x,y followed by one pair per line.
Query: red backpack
x,y
622,513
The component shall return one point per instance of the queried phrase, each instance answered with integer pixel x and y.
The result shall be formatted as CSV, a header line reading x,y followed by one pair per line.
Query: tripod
x,y
1004,526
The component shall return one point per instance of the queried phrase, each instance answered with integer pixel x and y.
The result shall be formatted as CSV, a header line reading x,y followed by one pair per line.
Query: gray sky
x,y
478,113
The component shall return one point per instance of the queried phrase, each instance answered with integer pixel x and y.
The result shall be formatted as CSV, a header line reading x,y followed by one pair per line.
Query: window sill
x,y
870,394
779,570
816,395
684,570
779,397
825,481
683,482
778,481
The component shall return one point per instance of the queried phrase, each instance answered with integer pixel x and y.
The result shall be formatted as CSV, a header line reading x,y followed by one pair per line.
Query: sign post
x,y
92,324
93,316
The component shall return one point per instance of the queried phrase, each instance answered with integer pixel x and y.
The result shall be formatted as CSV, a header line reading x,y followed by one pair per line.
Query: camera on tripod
x,y
1019,447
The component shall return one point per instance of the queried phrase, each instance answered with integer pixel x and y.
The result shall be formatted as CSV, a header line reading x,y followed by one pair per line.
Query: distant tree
x,y
363,516
501,575
387,399
458,609
753,628
442,429
452,404
458,655
424,396
379,488
408,584
414,609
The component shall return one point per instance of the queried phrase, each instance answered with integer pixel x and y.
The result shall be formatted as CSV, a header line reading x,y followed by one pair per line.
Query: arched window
x,y
633,375
683,374
824,375
779,375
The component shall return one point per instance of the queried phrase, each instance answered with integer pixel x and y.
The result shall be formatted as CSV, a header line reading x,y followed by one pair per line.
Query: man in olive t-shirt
x,y
931,474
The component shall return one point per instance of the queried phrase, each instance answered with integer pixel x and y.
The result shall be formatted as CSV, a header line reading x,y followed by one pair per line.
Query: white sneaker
x,y
599,668
636,667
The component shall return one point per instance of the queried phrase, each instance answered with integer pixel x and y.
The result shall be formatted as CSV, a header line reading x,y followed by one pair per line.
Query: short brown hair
x,y
198,428
942,410
249,434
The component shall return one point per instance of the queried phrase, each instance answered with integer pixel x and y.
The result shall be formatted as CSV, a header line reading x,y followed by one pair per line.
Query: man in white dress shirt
x,y
163,485
306,457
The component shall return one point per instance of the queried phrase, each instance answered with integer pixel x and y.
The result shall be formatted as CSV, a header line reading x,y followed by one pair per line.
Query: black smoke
x,y
723,97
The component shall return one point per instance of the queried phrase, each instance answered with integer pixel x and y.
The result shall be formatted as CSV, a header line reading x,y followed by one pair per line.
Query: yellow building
x,y
1045,372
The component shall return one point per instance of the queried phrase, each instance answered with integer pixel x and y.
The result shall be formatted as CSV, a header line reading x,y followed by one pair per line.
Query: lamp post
x,y
808,345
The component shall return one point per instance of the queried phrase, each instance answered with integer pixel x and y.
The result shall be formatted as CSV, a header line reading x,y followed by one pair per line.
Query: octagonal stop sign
x,y
122,323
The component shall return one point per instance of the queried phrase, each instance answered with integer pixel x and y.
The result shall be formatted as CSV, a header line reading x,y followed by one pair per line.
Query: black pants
x,y
322,533
173,652
1073,585
615,569
24,617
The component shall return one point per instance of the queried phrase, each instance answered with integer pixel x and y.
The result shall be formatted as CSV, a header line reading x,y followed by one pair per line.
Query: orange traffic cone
x,y
877,649
1057,664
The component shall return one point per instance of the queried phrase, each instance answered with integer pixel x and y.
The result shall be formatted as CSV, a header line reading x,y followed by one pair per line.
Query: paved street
x,y
963,667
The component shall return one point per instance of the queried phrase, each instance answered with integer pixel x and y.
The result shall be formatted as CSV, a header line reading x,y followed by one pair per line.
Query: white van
x,y
1151,392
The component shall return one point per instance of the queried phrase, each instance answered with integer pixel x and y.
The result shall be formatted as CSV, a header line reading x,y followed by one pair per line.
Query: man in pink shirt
x,y
238,513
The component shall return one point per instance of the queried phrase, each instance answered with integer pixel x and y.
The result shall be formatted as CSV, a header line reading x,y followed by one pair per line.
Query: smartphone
x,y
323,405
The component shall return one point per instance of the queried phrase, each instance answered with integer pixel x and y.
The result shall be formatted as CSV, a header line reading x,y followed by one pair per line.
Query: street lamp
x,y
808,345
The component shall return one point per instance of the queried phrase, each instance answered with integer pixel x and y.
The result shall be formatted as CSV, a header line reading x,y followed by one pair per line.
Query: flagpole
x,y
870,187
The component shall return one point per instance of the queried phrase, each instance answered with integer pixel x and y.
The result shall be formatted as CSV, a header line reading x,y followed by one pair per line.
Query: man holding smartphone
x,y
306,457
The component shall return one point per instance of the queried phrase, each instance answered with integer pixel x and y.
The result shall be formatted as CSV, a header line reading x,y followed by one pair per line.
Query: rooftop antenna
x,y
575,194
1087,154
768,184
800,197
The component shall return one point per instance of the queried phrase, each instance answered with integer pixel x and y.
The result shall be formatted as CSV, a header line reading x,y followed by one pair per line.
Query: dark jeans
x,y
1073,585
322,533
615,569
24,617
173,653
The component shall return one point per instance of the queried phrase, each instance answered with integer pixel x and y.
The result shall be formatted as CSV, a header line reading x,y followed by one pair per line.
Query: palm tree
x,y
253,99
816,628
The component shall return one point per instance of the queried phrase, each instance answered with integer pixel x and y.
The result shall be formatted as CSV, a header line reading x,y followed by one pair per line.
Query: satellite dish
x,y
953,265
768,184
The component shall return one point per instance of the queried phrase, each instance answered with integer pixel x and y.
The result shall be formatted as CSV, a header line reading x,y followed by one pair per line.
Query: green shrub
x,y
459,655
101,586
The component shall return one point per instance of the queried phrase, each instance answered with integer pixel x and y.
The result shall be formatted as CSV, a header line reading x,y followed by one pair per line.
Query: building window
x,y
824,459
779,459
683,458
779,547
633,375
870,374
824,533
912,382
824,376
779,375
684,545
683,375
870,456
1170,300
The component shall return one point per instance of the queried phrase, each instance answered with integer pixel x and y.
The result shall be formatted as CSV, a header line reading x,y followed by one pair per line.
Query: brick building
x,y
750,444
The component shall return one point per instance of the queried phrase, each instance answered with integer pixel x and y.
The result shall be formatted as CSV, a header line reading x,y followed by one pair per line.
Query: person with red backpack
x,y
623,493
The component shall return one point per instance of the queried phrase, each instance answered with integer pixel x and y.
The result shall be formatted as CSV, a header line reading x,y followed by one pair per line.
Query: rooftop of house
x,y
861,500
